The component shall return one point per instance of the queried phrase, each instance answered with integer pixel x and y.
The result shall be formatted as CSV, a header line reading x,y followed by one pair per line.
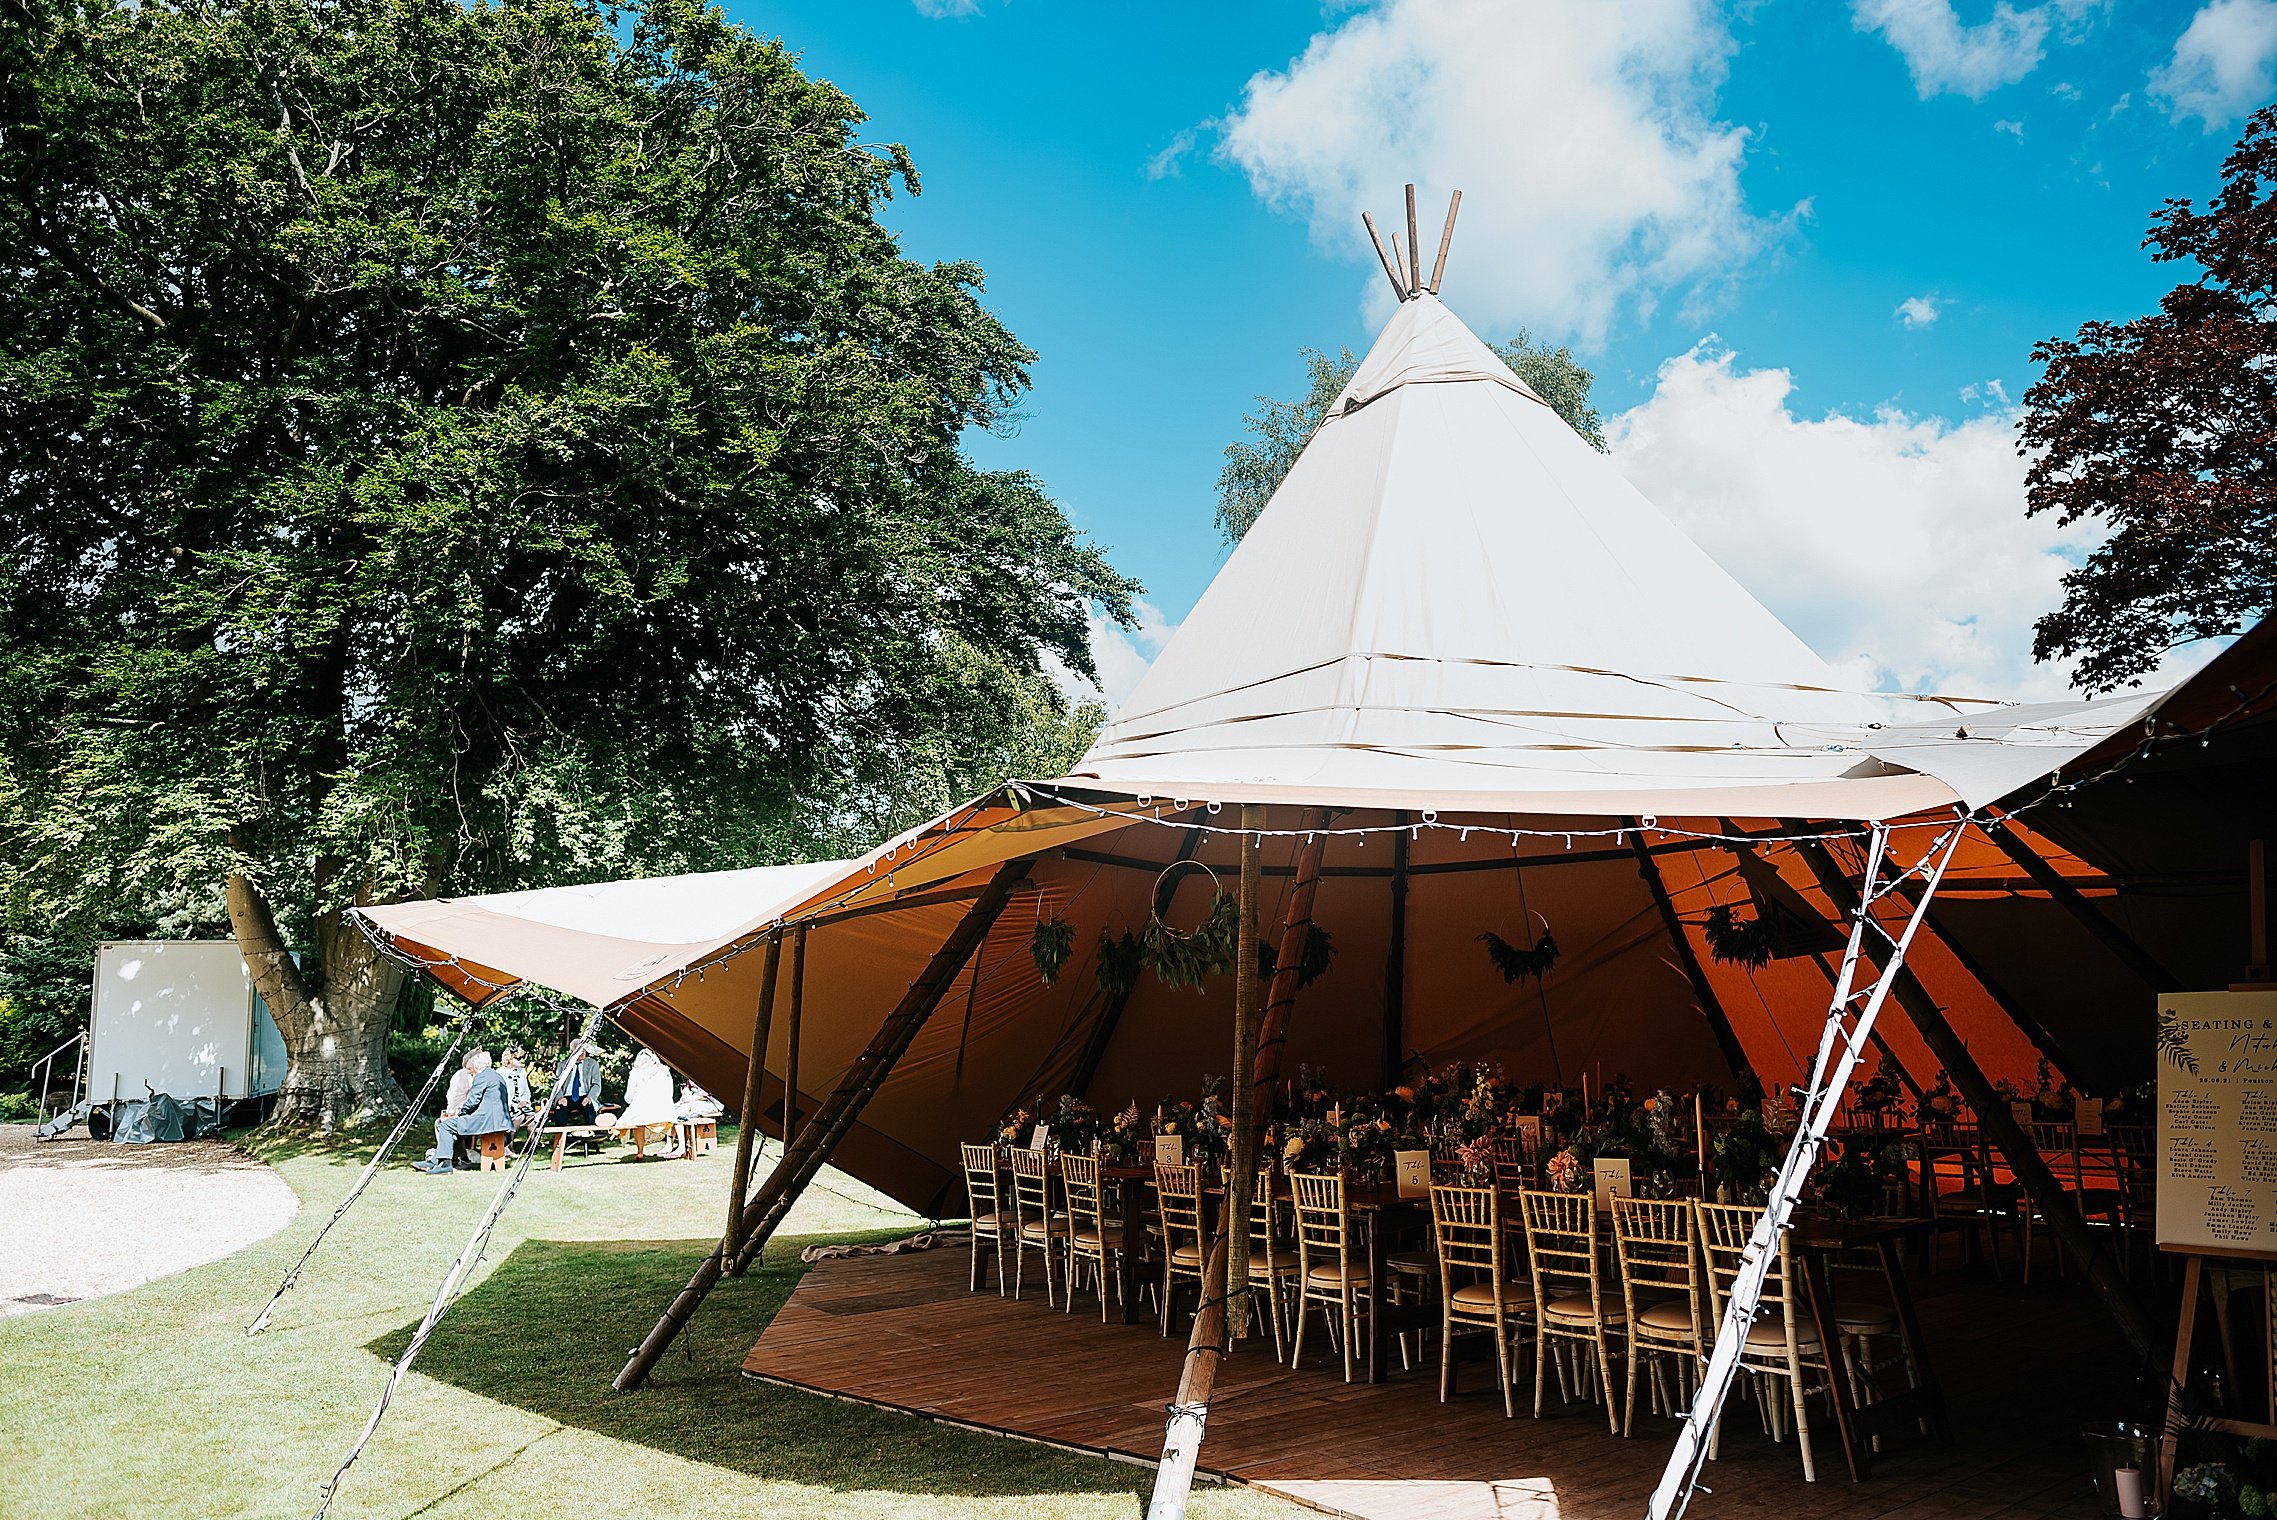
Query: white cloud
x,y
1947,57
2014,129
1917,311
2222,63
1121,655
1164,165
1896,546
1595,175
941,10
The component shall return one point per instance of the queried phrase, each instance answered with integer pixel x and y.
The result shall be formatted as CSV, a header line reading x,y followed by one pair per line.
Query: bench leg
x,y
560,1144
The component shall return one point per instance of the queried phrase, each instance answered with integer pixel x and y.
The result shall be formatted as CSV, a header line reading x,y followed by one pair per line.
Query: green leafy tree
x,y
454,446
1279,430
2165,429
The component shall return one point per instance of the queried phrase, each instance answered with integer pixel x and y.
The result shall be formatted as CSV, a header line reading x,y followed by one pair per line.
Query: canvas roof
x,y
1452,608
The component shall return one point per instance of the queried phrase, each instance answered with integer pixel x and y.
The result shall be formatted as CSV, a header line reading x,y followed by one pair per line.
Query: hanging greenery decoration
x,y
1750,944
1053,944
1514,962
1119,961
1320,950
1186,958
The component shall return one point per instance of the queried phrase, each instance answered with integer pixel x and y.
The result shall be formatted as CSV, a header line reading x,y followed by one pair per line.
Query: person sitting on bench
x,y
580,1092
483,1113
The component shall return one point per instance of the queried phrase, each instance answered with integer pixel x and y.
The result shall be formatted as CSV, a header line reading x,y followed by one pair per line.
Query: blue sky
x,y
1806,246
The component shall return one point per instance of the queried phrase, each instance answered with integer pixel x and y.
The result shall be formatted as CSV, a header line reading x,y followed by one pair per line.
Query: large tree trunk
x,y
335,1040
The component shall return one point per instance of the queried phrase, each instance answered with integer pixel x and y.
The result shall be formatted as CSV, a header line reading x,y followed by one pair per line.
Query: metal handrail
x,y
46,1064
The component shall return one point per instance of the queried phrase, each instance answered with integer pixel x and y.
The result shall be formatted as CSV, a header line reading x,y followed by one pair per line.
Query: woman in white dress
x,y
648,1100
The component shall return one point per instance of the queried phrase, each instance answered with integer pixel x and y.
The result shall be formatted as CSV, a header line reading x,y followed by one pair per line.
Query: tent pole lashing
x,y
411,1114
1850,1017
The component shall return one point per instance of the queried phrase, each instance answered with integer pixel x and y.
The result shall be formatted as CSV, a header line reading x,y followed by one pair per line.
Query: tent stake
x,y
1711,1006
2016,1147
829,1123
747,1117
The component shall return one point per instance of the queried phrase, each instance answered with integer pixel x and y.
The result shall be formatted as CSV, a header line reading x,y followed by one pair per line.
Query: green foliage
x,y
1514,961
2164,429
1187,958
459,447
1318,955
1054,942
1279,430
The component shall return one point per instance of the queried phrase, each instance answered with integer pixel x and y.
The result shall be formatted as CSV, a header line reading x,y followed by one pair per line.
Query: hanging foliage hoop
x,y
1162,895
1515,961
1737,943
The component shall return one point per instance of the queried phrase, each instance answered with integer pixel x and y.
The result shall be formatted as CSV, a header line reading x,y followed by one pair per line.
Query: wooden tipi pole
x,y
806,1155
1711,1006
2048,879
1288,965
2023,1157
747,1134
1243,1096
791,1052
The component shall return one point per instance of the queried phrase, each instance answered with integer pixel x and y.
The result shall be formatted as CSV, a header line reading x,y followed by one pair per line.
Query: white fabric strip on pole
x,y
469,1257
1844,1037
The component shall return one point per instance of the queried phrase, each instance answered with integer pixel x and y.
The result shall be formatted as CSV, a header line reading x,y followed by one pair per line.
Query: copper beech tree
x,y
452,447
2165,429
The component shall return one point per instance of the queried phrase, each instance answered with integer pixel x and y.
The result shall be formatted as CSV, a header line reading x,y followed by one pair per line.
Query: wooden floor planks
x,y
2023,1371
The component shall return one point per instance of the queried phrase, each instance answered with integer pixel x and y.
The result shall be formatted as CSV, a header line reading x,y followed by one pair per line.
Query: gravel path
x,y
86,1217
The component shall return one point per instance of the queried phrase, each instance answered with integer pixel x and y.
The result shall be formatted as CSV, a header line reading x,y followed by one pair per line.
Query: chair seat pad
x,y
1516,1299
1039,1229
1770,1334
1331,1273
1280,1258
1001,1220
1413,1261
1574,1309
1112,1237
1862,1316
1186,1256
1673,1315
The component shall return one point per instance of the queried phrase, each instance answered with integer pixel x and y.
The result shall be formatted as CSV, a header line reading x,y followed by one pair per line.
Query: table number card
x,y
1040,1138
1612,1174
2087,1115
1170,1150
1414,1171
1529,1134
2022,1114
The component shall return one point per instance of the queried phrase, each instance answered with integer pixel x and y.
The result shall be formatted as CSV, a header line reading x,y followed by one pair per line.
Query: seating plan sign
x,y
2217,1123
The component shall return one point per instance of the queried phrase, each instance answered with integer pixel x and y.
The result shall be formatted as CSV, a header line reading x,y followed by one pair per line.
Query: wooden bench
x,y
493,1149
696,1135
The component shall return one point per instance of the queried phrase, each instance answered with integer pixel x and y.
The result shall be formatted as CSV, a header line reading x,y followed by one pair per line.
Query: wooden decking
x,y
2023,1370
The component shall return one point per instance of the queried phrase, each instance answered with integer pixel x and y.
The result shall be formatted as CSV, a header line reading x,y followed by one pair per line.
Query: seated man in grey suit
x,y
483,1113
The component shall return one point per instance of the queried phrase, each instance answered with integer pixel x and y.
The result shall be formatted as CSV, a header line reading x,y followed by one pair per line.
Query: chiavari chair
x,y
1185,1251
1334,1277
991,1220
1783,1343
1039,1227
1092,1238
1272,1256
1476,1290
1657,1244
1572,1309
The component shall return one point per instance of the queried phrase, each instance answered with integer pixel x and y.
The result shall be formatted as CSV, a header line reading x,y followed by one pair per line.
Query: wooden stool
x,y
494,1150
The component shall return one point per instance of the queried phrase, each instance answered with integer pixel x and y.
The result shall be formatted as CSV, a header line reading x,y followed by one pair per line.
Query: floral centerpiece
x,y
1119,1138
1744,1157
1204,1128
1013,1130
1940,1105
1076,1128
1879,1093
1564,1171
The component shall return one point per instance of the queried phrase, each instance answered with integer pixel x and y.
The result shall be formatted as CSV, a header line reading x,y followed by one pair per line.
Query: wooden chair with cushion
x,y
1573,1311
1976,1202
1783,1343
1476,1289
991,1220
1185,1249
1093,1239
1664,1297
1040,1227
1334,1275
1875,1347
1272,1255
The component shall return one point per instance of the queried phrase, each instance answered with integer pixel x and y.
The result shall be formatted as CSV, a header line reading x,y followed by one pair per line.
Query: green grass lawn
x,y
153,1402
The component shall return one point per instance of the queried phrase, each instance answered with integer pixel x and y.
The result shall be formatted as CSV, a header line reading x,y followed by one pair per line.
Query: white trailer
x,y
179,1015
